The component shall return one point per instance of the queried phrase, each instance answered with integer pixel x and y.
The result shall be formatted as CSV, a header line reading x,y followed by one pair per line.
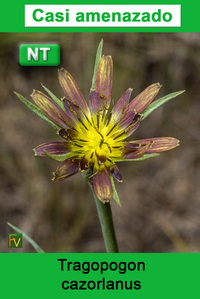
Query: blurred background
x,y
160,197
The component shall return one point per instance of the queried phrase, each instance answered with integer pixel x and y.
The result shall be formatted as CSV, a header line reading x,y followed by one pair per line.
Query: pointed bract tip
x,y
181,91
61,70
159,85
174,141
54,177
33,92
106,57
35,152
100,44
104,201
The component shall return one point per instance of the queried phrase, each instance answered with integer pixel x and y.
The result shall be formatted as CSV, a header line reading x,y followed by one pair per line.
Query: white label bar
x,y
102,15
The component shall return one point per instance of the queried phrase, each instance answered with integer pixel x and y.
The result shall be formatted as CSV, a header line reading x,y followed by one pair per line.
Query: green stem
x,y
105,217
106,221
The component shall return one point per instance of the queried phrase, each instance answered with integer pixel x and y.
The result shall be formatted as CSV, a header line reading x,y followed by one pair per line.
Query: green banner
x,y
96,275
13,18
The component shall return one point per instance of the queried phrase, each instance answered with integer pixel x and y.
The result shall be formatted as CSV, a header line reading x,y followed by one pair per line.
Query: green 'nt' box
x,y
39,54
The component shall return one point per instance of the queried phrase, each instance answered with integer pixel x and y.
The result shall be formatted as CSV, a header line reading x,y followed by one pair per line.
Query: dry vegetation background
x,y
160,197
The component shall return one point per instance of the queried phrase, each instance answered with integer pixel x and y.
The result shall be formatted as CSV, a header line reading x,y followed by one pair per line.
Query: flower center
x,y
98,140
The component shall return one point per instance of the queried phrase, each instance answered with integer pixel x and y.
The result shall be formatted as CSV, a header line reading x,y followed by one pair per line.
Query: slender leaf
x,y
61,158
55,98
36,110
115,194
33,243
159,102
98,57
144,157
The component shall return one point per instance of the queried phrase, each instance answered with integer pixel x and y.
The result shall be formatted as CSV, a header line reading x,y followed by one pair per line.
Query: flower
x,y
94,134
